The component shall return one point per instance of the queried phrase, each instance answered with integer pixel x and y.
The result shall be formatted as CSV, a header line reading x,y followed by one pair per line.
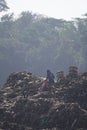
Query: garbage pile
x,y
62,106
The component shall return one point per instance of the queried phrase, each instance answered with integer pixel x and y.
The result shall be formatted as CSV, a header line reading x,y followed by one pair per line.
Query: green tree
x,y
6,26
3,5
36,43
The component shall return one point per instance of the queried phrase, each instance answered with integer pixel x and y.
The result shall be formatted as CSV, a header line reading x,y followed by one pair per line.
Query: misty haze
x,y
35,43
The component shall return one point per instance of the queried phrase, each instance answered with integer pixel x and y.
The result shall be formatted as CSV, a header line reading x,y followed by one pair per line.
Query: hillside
x,y
59,107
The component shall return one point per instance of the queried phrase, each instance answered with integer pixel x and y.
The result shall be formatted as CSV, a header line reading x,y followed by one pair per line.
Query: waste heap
x,y
60,75
73,72
63,107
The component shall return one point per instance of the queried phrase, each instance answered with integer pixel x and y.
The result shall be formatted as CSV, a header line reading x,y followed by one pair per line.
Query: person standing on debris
x,y
25,94
43,86
25,91
50,77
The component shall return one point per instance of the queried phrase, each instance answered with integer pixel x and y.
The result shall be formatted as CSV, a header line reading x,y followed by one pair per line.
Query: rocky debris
x,y
60,76
73,72
74,90
62,106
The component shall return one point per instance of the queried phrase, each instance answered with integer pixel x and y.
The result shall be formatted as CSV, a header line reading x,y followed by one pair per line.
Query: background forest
x,y
35,43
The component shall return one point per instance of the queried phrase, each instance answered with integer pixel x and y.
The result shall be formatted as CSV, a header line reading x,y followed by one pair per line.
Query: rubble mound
x,y
62,106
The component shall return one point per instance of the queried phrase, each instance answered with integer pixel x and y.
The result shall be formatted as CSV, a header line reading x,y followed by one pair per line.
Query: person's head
x,y
48,71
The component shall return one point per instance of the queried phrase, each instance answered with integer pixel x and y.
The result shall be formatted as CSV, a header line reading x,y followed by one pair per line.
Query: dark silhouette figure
x,y
50,77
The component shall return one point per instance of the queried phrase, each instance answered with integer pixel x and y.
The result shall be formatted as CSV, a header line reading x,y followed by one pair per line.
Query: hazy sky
x,y
65,9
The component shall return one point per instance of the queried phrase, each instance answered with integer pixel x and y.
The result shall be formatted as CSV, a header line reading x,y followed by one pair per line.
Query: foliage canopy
x,y
36,43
